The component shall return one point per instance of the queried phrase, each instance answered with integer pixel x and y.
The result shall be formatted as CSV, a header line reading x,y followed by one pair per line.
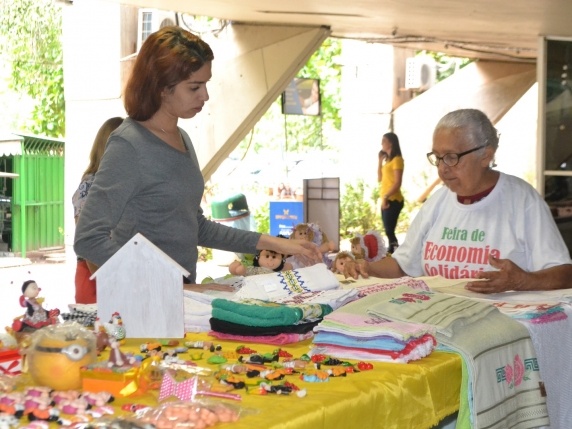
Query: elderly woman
x,y
483,224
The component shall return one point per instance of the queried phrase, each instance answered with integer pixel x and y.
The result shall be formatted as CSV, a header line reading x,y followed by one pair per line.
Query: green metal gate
x,y
38,195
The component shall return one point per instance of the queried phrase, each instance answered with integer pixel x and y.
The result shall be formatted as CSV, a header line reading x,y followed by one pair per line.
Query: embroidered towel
x,y
284,283
444,312
254,312
499,353
353,319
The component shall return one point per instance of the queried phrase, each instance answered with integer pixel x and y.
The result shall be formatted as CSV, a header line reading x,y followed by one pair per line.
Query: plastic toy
x,y
35,317
364,366
57,353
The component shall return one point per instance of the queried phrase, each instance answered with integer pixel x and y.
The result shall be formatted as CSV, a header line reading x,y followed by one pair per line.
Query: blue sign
x,y
284,216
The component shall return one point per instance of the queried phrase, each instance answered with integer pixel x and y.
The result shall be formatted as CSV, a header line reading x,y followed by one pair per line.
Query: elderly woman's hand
x,y
510,277
354,268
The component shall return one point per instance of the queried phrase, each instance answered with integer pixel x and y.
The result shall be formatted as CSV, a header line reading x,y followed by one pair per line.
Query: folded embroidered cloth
x,y
334,298
414,350
505,380
236,329
284,283
378,343
254,312
444,312
278,340
353,319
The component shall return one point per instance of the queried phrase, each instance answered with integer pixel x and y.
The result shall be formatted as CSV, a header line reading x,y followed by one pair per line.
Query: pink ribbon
x,y
184,390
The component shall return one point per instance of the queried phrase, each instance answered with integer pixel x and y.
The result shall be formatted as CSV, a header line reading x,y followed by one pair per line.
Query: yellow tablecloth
x,y
414,395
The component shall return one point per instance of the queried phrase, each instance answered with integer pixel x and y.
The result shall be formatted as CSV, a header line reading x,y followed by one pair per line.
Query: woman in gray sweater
x,y
149,180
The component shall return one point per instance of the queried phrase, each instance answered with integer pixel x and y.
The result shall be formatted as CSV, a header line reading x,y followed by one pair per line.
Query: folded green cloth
x,y
254,312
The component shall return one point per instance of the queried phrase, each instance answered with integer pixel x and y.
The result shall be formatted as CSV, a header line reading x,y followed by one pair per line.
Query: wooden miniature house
x,y
145,286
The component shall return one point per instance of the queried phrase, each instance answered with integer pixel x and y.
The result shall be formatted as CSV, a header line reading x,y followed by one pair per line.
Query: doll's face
x,y
356,248
269,259
32,290
302,234
340,264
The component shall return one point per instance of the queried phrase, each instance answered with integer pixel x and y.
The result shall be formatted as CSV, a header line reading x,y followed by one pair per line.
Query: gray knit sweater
x,y
144,185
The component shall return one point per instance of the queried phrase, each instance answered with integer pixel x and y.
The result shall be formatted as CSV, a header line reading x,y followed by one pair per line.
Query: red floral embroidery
x,y
508,374
518,370
415,296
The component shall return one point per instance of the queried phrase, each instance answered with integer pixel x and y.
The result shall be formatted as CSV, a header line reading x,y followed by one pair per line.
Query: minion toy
x,y
56,354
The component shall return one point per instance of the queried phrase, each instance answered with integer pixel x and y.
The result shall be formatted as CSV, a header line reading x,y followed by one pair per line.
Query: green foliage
x,y
262,218
446,65
30,33
358,206
297,133
360,210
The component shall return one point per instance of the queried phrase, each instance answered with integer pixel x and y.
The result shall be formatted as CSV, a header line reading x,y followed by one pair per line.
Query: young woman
x,y
390,175
149,181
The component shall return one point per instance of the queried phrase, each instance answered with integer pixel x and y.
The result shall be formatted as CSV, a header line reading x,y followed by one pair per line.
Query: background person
x,y
481,219
390,174
149,180
85,289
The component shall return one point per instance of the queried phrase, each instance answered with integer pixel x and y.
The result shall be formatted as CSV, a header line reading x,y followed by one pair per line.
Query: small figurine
x,y
370,246
35,317
265,262
340,262
116,357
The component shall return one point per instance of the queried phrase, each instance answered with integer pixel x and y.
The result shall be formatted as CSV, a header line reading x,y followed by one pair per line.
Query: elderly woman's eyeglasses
x,y
451,159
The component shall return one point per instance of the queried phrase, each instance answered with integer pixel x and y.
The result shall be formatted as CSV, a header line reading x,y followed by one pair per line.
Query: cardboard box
x,y
10,361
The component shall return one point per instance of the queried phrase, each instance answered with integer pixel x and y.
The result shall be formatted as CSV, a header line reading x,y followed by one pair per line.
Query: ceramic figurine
x,y
35,317
116,357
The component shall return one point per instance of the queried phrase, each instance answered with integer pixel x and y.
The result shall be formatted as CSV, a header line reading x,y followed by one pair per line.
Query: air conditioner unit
x,y
420,73
151,20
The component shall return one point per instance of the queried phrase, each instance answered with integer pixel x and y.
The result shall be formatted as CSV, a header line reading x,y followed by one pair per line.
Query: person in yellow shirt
x,y
390,175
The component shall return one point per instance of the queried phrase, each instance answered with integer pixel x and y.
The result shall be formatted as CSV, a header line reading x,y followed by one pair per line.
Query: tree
x,y
30,36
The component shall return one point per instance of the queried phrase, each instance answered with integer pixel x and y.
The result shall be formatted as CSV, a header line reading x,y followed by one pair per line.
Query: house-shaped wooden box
x,y
145,286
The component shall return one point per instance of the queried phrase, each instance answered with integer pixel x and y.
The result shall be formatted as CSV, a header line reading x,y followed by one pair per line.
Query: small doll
x,y
265,262
370,246
312,232
340,262
35,317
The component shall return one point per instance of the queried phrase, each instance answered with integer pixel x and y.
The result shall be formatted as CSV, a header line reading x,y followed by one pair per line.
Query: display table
x,y
414,395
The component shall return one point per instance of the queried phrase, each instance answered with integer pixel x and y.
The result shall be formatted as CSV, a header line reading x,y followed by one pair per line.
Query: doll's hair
x,y
23,302
256,263
342,255
26,284
355,240
303,227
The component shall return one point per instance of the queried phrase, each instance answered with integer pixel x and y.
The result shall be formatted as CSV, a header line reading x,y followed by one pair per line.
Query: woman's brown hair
x,y
166,58
99,144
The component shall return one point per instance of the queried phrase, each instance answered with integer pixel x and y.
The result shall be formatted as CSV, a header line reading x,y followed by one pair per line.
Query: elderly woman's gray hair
x,y
479,128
